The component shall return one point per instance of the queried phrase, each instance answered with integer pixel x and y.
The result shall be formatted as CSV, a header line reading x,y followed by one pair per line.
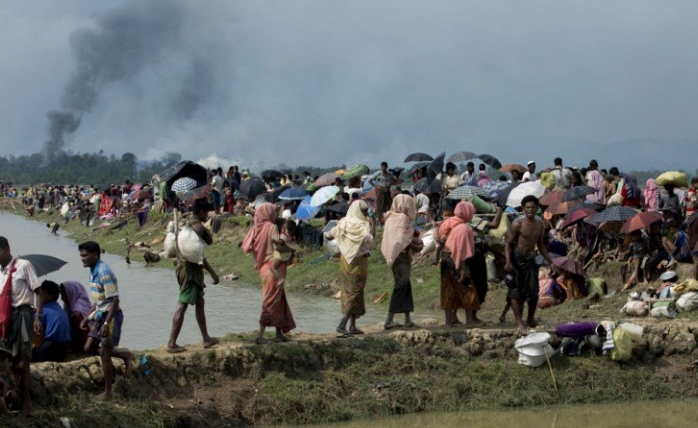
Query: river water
x,y
655,414
148,294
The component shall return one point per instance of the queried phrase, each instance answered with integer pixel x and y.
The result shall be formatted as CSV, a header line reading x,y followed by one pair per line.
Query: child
x,y
638,249
284,249
54,227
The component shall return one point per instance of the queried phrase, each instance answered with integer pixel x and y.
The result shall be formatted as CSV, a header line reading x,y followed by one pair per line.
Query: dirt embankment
x,y
322,378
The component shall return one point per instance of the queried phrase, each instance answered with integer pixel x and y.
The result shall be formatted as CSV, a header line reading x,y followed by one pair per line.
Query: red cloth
x,y
461,240
6,302
275,309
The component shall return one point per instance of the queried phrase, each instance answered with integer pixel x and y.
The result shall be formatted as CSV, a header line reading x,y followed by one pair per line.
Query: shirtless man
x,y
526,234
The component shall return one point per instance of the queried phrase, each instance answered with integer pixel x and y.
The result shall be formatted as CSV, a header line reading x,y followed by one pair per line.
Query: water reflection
x,y
655,414
149,294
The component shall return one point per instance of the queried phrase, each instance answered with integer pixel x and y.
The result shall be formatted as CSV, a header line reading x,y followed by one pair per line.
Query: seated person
x,y
54,319
676,244
77,304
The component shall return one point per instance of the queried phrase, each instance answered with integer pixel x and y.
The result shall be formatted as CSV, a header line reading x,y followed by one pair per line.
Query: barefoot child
x,y
284,249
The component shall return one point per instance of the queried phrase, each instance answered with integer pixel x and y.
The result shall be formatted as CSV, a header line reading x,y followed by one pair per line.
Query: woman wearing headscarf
x,y
595,180
260,243
650,196
399,243
630,192
353,236
457,289
77,304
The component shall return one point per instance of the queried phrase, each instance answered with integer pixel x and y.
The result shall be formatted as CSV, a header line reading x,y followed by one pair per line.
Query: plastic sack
x,y
615,199
677,178
622,345
635,308
663,312
191,247
547,179
169,249
498,236
687,302
596,285
533,349
429,241
491,267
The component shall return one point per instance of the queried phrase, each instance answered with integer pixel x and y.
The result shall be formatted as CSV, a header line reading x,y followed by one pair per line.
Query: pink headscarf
x,y
649,196
461,239
398,231
595,180
256,240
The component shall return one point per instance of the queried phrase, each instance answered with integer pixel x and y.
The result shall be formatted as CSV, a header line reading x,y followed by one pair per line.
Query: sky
x,y
333,82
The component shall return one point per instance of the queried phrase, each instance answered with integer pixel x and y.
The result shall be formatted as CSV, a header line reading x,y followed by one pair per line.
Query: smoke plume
x,y
124,43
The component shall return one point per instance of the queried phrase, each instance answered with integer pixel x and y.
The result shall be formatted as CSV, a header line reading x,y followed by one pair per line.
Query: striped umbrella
x,y
465,192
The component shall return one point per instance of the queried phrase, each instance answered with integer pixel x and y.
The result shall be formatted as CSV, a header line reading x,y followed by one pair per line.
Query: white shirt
x,y
422,203
563,177
24,282
217,183
528,176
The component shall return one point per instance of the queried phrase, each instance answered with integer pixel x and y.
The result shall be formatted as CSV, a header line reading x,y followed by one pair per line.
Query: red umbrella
x,y
641,221
570,265
139,194
578,215
561,207
552,197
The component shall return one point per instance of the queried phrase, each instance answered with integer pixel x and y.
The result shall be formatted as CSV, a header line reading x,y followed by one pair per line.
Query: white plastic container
x,y
634,330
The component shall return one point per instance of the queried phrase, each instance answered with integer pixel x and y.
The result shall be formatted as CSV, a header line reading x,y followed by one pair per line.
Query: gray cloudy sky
x,y
329,82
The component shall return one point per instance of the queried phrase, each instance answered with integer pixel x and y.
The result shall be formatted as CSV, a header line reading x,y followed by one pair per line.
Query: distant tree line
x,y
82,168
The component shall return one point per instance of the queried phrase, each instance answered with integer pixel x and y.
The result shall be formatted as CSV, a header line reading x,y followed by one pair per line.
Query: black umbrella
x,y
614,213
424,186
504,195
491,161
416,157
396,171
273,196
272,173
578,192
43,264
461,156
416,167
435,167
252,187
340,207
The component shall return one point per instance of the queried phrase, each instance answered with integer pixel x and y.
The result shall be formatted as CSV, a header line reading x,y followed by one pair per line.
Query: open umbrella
x,y
396,171
504,194
494,188
416,157
574,206
578,192
641,221
570,265
416,167
43,264
306,211
552,197
435,167
191,195
576,216
340,207
273,196
524,189
465,192
614,213
272,173
323,195
509,167
252,187
461,156
293,194
139,194
491,161
183,184
424,186
326,179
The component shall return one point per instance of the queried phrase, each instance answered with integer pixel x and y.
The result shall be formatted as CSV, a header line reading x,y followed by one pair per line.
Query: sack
x,y
547,179
169,249
191,247
663,312
491,267
622,345
677,178
615,199
596,285
481,206
498,236
635,308
534,349
687,302
6,302
429,241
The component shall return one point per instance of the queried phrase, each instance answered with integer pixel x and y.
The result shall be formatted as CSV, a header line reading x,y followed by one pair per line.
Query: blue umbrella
x,y
494,187
306,211
293,194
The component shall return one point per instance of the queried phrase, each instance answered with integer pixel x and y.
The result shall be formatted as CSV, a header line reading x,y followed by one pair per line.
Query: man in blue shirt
x,y
56,335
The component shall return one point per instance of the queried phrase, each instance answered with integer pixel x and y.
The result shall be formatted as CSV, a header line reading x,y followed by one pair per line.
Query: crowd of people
x,y
519,238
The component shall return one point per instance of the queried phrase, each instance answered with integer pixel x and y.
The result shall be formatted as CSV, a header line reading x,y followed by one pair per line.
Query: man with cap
x,y
530,175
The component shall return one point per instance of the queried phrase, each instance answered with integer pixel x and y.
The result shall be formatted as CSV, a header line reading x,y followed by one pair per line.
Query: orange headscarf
x,y
398,231
256,240
461,239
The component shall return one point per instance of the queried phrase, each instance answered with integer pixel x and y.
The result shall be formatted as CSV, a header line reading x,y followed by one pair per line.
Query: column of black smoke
x,y
116,48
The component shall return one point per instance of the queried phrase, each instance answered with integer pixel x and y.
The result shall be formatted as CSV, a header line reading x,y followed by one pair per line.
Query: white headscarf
x,y
352,230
